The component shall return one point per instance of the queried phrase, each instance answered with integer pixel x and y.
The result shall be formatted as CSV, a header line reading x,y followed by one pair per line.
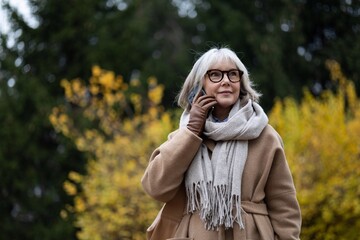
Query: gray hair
x,y
203,64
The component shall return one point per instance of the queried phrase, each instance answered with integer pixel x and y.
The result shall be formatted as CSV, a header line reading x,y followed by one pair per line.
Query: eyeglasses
x,y
234,75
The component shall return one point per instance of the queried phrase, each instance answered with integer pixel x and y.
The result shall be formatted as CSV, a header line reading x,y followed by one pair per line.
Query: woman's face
x,y
226,92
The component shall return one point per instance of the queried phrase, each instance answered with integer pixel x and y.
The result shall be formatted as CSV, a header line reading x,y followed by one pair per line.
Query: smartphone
x,y
193,93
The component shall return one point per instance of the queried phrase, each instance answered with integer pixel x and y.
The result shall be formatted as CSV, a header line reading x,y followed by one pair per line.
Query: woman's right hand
x,y
199,111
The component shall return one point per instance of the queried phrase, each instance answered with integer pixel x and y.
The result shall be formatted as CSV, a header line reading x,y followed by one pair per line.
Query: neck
x,y
221,113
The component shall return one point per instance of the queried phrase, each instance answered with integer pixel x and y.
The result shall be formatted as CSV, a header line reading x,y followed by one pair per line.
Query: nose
x,y
225,79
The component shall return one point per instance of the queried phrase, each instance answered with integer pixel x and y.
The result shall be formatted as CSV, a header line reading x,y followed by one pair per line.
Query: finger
x,y
198,95
209,104
205,99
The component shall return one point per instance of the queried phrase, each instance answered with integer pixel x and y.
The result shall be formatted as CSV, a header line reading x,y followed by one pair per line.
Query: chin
x,y
226,101
225,104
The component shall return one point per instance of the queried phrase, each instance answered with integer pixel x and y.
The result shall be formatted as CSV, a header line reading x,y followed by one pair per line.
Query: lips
x,y
225,92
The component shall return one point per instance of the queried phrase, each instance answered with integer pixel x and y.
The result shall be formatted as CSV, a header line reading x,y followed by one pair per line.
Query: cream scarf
x,y
213,185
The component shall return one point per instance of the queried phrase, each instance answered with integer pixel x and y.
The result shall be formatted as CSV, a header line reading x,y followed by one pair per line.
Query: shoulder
x,y
270,136
270,131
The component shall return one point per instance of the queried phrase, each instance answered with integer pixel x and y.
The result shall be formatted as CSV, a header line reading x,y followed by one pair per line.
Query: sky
x,y
24,10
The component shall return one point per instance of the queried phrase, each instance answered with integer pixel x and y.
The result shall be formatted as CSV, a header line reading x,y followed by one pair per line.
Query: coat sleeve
x,y
168,164
283,207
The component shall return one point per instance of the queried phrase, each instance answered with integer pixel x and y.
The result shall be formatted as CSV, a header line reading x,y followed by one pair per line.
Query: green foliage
x,y
331,32
284,43
322,139
109,200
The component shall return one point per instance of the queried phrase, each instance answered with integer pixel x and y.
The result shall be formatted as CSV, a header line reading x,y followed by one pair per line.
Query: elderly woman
x,y
223,174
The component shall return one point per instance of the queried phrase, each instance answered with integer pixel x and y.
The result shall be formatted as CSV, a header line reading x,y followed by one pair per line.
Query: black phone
x,y
193,93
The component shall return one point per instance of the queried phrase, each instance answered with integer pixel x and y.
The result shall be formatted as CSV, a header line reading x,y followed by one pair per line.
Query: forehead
x,y
223,64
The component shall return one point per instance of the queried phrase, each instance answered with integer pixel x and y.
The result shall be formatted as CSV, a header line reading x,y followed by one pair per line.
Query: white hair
x,y
202,65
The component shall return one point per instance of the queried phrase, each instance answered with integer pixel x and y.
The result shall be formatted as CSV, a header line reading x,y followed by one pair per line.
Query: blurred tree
x,y
34,160
111,203
128,36
139,39
322,138
331,30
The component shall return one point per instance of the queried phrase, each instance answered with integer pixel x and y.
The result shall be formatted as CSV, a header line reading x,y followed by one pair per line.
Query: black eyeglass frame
x,y
227,74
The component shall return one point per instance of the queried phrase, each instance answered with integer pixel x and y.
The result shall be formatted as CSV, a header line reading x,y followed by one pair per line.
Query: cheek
x,y
209,89
239,88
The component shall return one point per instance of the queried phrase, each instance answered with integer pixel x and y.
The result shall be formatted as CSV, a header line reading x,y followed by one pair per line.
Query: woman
x,y
223,174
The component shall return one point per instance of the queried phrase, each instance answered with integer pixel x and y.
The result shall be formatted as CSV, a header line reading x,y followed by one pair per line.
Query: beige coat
x,y
268,192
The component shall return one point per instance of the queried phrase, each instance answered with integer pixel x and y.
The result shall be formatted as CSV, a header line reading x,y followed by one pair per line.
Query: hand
x,y
199,111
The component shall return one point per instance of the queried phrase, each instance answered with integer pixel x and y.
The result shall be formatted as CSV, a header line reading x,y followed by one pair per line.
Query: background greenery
x,y
43,169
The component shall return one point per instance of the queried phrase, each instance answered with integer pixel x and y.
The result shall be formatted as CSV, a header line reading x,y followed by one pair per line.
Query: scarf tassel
x,y
213,204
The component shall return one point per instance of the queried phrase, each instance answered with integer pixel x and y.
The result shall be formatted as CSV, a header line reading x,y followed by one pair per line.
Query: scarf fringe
x,y
216,205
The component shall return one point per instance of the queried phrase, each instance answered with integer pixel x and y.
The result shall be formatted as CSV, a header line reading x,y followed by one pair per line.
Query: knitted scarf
x,y
213,184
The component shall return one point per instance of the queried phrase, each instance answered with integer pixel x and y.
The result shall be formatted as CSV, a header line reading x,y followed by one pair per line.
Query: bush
x,y
322,143
118,126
